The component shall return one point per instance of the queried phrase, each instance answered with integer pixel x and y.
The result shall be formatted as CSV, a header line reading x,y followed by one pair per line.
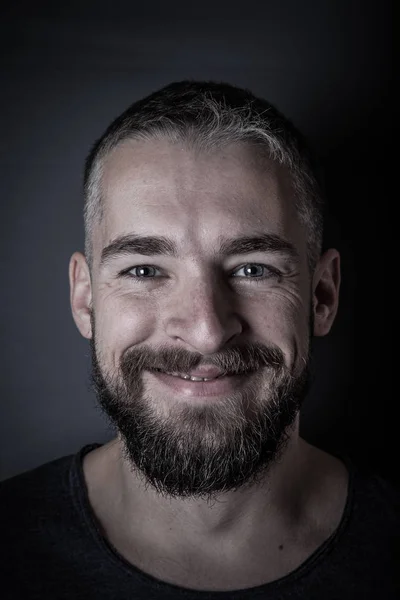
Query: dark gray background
x,y
326,65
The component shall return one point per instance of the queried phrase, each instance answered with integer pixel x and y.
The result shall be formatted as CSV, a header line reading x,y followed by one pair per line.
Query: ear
x,y
80,293
326,285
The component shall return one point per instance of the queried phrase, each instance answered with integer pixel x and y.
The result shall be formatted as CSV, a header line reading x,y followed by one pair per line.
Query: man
x,y
202,285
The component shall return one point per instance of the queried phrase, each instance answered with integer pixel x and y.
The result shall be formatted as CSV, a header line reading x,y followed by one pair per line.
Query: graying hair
x,y
206,115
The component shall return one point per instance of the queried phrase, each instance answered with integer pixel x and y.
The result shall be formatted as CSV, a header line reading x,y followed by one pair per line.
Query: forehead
x,y
162,188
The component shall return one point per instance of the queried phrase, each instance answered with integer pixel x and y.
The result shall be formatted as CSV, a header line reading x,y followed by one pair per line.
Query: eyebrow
x,y
160,245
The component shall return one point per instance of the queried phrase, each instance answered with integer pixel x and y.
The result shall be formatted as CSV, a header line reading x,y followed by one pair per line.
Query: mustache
x,y
233,361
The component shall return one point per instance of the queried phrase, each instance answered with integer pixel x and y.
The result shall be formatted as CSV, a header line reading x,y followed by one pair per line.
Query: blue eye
x,y
142,267
271,272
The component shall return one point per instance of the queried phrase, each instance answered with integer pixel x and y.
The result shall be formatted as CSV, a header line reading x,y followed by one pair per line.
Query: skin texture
x,y
244,535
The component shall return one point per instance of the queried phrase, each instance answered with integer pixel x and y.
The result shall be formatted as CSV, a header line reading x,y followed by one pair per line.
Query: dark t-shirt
x,y
53,548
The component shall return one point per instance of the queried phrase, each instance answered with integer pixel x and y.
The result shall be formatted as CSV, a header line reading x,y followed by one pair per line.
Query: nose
x,y
203,316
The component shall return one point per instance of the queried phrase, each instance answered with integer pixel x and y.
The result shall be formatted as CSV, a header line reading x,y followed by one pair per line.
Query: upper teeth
x,y
183,376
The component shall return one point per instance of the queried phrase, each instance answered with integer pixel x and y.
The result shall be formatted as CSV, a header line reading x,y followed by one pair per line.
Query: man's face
x,y
248,314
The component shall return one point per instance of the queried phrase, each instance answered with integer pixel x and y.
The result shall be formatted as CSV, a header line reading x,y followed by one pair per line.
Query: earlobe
x,y
80,293
326,285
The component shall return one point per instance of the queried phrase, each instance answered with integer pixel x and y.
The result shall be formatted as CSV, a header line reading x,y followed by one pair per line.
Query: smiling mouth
x,y
184,386
189,377
201,379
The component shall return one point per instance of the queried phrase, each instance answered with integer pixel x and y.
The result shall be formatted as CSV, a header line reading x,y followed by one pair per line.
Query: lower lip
x,y
216,387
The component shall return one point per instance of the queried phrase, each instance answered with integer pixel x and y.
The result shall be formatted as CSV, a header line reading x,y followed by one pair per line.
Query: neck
x,y
279,498
244,539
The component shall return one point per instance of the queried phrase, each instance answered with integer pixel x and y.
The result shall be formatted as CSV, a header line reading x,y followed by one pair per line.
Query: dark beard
x,y
207,449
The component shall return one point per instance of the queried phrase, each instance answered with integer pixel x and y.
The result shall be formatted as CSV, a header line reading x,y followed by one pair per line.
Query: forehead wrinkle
x,y
186,172
227,200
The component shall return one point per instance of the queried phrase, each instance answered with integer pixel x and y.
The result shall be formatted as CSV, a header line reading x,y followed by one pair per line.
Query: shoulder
x,y
369,536
369,504
371,491
34,491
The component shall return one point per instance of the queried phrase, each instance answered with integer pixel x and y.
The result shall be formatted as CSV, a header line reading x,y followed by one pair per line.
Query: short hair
x,y
206,115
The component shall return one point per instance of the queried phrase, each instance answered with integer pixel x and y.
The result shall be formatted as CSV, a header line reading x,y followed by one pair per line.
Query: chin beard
x,y
203,450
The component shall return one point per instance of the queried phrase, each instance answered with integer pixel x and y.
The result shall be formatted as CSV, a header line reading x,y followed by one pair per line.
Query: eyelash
x,y
272,273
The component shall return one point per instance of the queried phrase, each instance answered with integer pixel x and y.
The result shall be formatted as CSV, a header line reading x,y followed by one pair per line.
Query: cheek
x,y
121,322
284,321
124,320
285,309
